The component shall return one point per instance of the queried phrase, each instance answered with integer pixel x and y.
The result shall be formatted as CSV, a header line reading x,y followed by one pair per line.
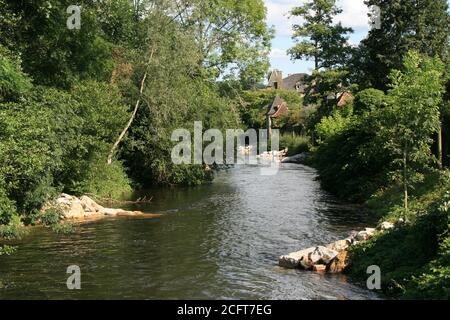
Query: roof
x,y
278,107
291,82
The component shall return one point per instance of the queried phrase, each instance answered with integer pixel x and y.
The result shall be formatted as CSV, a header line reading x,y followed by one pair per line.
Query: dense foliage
x,y
66,95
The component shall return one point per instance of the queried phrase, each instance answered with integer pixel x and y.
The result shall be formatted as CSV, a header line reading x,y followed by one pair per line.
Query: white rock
x,y
296,259
340,245
111,212
386,226
322,255
298,158
74,210
90,205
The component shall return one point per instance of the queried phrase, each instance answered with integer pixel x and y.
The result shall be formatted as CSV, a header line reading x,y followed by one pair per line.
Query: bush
x,y
6,250
332,125
414,259
13,82
51,216
12,230
63,228
7,208
103,180
294,144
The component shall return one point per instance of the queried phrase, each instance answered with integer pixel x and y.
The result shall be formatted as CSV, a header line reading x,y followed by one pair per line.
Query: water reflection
x,y
219,241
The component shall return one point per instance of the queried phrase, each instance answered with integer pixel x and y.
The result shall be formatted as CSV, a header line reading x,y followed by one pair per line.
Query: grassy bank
x,y
414,259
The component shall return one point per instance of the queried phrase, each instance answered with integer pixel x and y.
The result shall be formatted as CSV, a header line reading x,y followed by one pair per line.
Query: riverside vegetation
x,y
91,111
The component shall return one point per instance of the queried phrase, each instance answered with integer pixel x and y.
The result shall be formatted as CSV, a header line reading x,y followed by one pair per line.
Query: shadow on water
x,y
218,241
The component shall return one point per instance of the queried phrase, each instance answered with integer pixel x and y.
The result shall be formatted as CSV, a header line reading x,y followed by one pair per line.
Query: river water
x,y
219,241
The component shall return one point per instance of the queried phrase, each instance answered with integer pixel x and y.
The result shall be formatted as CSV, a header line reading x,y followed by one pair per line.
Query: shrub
x,y
294,144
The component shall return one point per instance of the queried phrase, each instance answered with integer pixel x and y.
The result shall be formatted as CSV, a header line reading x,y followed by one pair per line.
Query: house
x,y
294,82
276,110
345,98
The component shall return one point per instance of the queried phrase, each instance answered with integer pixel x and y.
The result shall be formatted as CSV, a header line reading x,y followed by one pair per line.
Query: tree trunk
x,y
133,115
439,147
405,179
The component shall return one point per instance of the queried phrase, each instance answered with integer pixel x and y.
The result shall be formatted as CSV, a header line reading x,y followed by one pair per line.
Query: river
x,y
218,241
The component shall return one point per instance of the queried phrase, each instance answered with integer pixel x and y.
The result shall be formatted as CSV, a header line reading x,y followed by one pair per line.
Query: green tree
x,y
412,116
232,35
420,25
318,37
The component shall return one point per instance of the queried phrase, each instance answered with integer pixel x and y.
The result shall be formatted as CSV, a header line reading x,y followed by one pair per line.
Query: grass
x,y
294,144
414,259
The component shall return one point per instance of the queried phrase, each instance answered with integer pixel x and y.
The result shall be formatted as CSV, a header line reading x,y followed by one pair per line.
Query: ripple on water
x,y
216,241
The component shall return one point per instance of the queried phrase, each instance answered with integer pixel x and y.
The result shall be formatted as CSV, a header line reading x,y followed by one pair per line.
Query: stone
x,y
386,226
322,255
111,212
74,210
340,245
367,234
296,259
340,263
362,236
298,158
90,205
320,268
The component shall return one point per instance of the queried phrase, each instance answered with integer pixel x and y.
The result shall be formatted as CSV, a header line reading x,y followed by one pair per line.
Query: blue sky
x,y
354,15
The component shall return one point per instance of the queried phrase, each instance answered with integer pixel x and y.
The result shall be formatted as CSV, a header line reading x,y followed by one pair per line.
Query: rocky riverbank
x,y
334,257
84,208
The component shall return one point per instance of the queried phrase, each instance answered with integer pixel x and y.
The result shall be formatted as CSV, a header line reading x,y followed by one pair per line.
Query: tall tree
x,y
421,25
412,116
319,38
232,34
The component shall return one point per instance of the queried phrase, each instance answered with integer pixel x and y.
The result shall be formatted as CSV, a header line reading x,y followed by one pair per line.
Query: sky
x,y
354,15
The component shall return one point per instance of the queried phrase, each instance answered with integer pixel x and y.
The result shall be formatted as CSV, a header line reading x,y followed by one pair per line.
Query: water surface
x,y
219,241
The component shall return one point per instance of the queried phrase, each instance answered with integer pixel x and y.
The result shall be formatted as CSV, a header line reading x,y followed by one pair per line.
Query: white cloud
x,y
278,53
278,15
354,14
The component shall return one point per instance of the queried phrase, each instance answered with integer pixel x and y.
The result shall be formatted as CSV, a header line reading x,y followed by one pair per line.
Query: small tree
x,y
412,116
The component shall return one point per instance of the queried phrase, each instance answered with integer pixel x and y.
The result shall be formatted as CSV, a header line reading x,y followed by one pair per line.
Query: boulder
x,y
367,234
90,205
320,268
298,158
340,244
73,210
386,226
322,255
340,263
111,212
296,259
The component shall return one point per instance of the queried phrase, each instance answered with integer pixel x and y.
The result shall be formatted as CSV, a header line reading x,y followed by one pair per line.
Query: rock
x,y
340,263
362,236
111,212
90,205
298,158
320,268
386,226
296,259
367,234
322,255
340,244
74,210
399,223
